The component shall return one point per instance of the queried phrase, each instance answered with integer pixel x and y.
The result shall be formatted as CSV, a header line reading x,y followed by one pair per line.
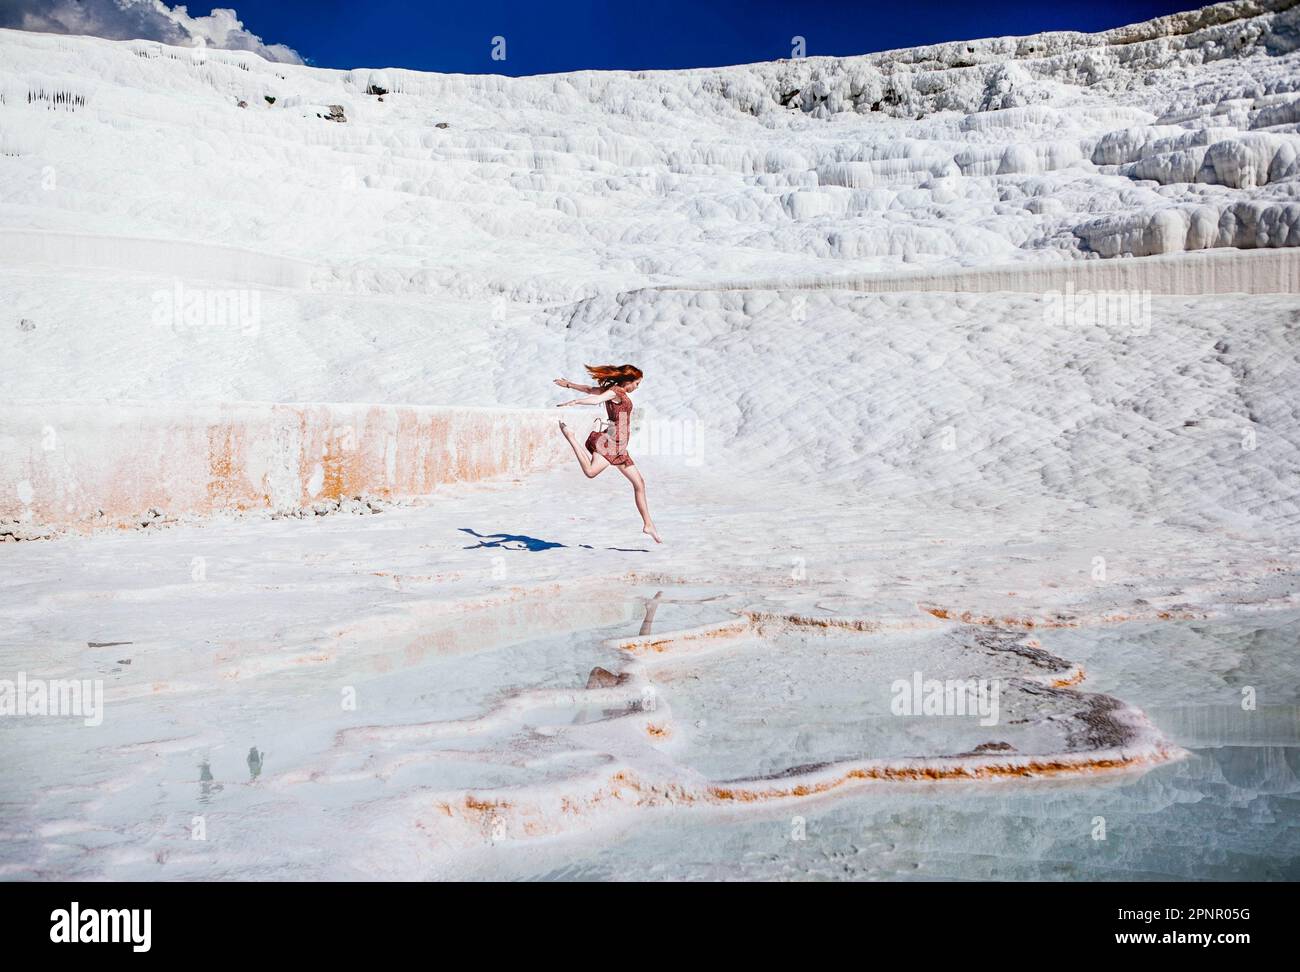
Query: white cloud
x,y
140,19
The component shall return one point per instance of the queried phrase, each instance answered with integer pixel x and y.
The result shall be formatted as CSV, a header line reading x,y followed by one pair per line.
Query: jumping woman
x,y
608,447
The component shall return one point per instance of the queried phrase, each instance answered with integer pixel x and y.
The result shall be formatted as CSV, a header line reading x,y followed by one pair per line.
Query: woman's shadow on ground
x,y
518,541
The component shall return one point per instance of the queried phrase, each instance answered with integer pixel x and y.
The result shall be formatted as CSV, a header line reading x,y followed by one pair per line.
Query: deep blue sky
x,y
544,37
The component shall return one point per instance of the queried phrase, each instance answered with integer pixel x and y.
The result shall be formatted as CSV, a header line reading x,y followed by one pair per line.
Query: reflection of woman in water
x,y
608,447
651,605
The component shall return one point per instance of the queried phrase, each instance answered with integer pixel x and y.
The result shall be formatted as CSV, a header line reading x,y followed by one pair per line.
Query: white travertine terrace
x,y
1177,134
864,292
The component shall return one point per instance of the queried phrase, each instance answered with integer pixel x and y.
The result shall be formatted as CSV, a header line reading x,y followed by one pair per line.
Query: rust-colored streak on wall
x,y
338,464
224,464
82,465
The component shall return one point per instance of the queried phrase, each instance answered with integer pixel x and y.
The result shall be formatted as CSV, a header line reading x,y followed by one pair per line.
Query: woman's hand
x,y
563,383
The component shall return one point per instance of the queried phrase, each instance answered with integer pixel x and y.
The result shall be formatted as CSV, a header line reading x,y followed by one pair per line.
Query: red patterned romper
x,y
614,448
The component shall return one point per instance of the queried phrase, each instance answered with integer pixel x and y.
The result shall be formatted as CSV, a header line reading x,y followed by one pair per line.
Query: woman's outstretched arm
x,y
589,389
604,396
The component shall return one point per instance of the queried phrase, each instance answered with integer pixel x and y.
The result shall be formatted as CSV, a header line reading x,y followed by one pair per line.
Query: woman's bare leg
x,y
592,466
638,492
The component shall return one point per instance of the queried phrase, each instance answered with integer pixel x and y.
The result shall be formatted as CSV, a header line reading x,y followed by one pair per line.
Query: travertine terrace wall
x,y
83,465
1224,270
181,258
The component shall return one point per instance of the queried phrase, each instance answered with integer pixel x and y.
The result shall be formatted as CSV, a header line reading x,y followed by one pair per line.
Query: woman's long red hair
x,y
606,375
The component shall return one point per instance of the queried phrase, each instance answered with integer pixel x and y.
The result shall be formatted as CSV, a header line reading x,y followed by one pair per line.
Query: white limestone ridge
x,y
1175,134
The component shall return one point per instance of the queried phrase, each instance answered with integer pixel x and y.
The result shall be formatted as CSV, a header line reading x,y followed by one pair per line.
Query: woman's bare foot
x,y
650,531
